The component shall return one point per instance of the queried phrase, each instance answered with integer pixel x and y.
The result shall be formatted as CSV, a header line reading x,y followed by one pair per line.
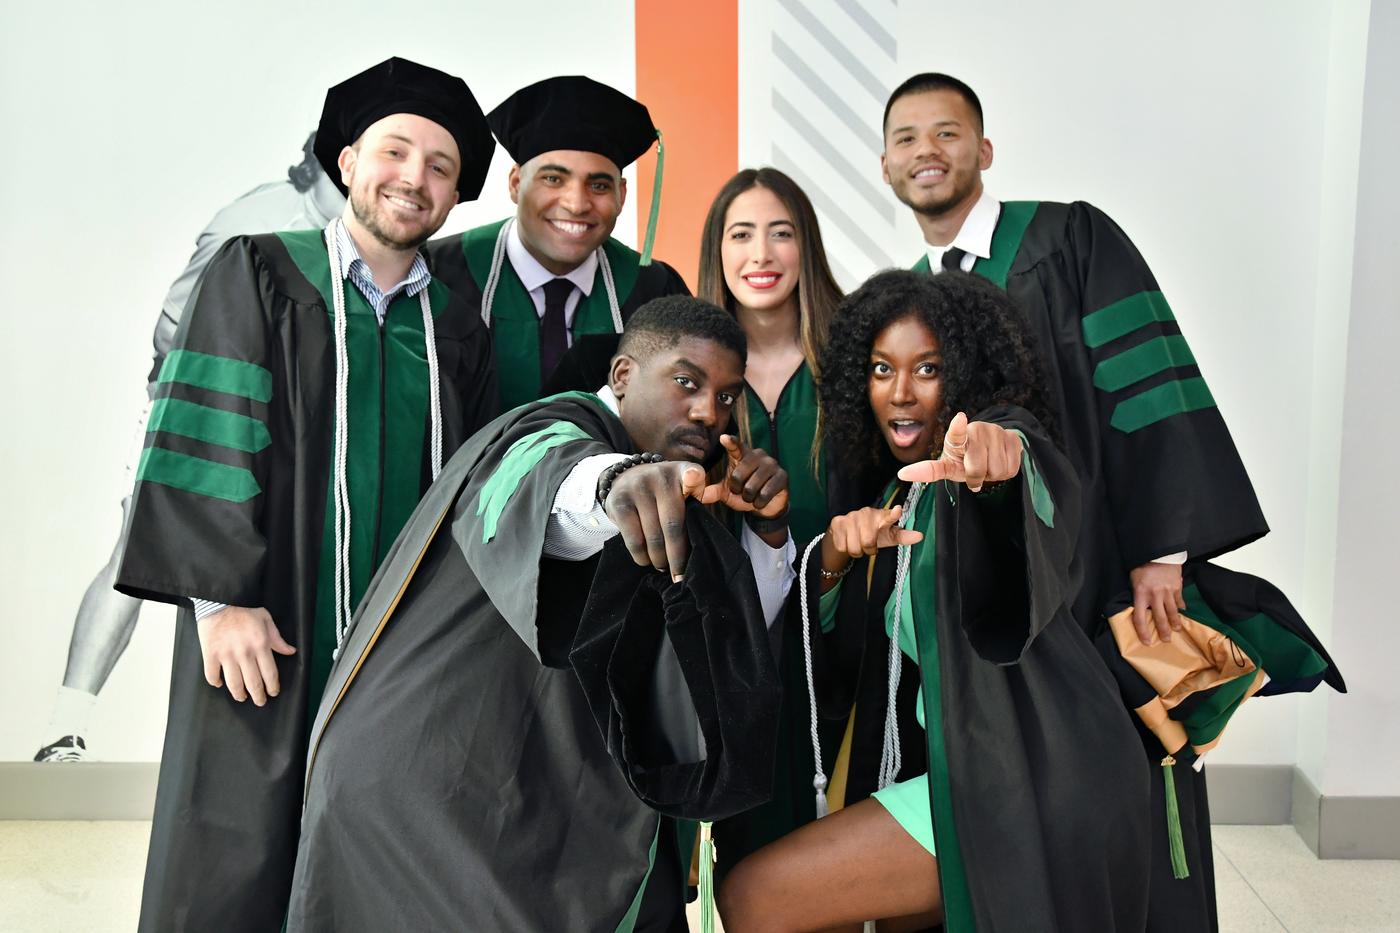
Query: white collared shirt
x,y
974,237
534,277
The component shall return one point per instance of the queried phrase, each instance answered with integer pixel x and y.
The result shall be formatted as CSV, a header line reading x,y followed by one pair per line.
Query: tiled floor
x,y
87,877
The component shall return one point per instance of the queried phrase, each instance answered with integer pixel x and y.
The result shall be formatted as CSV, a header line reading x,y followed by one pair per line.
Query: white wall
x,y
1362,754
1199,127
126,127
1225,138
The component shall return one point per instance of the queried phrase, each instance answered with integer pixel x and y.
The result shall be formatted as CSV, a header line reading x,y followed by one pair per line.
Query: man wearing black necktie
x,y
552,274
1162,480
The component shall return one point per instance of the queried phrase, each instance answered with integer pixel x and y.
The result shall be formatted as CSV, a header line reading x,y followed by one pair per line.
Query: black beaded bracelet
x,y
610,475
763,526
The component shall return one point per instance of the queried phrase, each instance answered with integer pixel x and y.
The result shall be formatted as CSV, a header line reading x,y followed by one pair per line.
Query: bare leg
x,y
857,864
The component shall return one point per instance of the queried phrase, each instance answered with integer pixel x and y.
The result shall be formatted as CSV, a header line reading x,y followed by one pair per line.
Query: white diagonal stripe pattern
x,y
833,64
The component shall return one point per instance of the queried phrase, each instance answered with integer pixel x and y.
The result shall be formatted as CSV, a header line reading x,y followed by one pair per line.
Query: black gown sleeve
x,y
1013,546
713,622
1175,480
210,445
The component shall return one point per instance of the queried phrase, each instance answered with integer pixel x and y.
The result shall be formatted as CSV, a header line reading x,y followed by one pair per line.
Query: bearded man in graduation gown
x,y
306,199
1162,479
553,274
319,380
460,773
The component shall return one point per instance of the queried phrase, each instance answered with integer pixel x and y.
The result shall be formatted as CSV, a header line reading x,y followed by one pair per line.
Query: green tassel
x,y
650,240
707,879
1174,840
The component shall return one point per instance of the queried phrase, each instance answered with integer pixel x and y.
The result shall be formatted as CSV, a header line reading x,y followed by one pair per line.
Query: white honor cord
x,y
434,387
890,758
818,779
498,259
611,290
339,485
340,482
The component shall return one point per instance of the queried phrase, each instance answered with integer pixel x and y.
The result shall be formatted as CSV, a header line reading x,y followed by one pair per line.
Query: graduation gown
x,y
463,262
1159,471
1037,793
491,752
232,504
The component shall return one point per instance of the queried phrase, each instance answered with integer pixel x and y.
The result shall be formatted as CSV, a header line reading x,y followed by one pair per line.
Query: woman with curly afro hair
x,y
989,777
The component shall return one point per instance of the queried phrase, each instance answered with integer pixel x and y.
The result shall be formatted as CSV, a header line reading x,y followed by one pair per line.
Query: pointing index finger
x,y
733,446
955,441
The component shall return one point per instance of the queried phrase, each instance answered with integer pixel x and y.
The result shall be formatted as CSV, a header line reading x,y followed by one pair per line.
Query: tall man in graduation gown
x,y
318,381
460,773
552,274
1161,477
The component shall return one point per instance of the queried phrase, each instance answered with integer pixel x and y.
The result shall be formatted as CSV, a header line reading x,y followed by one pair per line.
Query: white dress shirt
x,y
535,277
974,237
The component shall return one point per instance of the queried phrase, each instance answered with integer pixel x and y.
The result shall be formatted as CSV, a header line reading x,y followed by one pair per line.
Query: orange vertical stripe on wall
x,y
688,77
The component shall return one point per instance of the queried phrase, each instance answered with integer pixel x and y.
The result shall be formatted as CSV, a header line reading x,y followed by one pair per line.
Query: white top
x,y
535,276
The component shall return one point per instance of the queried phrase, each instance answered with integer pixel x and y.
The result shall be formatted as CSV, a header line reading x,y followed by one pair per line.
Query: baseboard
x,y
77,790
1332,827
1345,827
1253,795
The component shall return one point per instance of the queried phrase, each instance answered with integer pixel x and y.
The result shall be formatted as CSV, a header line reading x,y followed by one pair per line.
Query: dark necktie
x,y
554,328
952,260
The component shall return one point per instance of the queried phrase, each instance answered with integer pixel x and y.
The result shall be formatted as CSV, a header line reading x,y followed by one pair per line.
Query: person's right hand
x,y
238,644
647,504
863,532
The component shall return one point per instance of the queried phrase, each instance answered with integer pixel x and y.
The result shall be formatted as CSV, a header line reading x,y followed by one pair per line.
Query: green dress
x,y
787,433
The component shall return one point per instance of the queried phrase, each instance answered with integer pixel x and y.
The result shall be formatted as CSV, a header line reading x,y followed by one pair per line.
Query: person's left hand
x,y
754,482
973,454
1157,599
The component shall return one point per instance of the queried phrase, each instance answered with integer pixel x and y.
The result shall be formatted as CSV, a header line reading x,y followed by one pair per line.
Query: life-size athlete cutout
x,y
319,381
1162,482
523,695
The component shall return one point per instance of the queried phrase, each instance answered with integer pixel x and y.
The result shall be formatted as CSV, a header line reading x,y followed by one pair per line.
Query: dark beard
x,y
369,219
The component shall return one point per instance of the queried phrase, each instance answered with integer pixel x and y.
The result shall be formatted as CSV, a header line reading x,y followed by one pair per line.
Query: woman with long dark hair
x,y
762,259
989,778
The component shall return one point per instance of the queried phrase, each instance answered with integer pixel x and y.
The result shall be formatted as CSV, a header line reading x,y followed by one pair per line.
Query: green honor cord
x,y
1174,840
650,240
707,878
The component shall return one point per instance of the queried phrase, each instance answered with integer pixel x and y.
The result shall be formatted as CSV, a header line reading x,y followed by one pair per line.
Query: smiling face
x,y
402,177
935,152
678,400
567,203
759,251
905,390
